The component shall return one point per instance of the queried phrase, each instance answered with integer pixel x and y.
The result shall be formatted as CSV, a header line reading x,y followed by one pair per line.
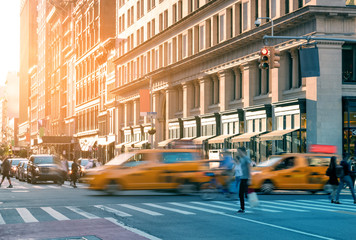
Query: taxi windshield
x,y
118,160
269,162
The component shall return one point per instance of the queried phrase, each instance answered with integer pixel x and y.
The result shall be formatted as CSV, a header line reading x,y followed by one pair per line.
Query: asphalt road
x,y
48,211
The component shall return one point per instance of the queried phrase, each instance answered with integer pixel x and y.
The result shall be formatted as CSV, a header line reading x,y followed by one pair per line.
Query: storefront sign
x,y
317,148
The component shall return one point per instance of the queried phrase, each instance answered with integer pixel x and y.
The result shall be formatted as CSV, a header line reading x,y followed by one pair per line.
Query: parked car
x,y
44,168
294,171
14,164
85,164
22,171
149,169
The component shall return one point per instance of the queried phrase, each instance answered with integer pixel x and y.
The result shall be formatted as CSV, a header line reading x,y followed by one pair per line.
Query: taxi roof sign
x,y
318,148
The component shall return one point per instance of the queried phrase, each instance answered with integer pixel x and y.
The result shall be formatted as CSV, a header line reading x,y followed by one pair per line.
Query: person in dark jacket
x,y
5,167
75,168
333,181
346,179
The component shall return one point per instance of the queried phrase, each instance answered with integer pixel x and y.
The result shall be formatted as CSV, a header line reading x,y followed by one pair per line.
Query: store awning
x,y
219,139
276,135
200,140
103,142
246,137
130,144
87,144
140,144
120,145
166,142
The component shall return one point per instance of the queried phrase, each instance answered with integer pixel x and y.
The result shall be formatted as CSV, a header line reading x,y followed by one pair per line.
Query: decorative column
x,y
158,121
226,89
127,114
187,98
248,76
295,66
196,94
171,103
216,89
205,97
136,112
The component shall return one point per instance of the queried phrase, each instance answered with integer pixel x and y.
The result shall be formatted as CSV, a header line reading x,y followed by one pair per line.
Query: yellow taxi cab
x,y
148,170
295,171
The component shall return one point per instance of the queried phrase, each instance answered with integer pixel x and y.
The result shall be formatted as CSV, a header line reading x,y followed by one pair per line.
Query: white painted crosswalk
x,y
162,209
21,186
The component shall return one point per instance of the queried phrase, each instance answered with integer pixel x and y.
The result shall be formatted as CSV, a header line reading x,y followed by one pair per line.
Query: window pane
x,y
347,65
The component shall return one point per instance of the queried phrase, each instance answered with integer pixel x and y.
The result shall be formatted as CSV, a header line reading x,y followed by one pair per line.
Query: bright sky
x,y
10,37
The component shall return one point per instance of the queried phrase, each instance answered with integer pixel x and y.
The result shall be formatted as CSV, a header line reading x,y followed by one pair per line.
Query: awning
x,y
140,144
166,142
200,140
129,145
246,137
276,135
87,144
219,139
103,142
120,145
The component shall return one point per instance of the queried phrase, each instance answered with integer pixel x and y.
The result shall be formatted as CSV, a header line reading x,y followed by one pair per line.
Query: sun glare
x,y
10,37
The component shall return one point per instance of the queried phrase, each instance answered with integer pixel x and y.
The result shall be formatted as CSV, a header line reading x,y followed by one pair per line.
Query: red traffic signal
x,y
264,58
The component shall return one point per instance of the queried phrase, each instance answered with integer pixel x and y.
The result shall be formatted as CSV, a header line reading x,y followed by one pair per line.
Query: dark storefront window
x,y
349,126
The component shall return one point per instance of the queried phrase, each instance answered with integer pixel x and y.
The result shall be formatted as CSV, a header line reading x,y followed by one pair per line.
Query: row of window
x,y
87,119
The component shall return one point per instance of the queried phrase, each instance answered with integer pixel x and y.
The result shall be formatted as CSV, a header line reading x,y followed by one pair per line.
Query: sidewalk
x,y
96,228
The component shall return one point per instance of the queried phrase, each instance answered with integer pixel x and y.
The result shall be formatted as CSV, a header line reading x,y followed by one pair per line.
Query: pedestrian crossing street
x,y
41,186
62,213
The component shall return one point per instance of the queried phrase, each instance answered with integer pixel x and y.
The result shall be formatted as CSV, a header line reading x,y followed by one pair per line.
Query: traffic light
x,y
264,58
275,58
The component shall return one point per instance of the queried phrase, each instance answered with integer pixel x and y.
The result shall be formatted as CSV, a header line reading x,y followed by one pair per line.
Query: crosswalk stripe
x,y
169,209
140,209
83,213
20,187
112,210
26,215
66,186
38,187
55,187
288,203
215,206
2,220
248,207
283,208
196,208
334,206
57,215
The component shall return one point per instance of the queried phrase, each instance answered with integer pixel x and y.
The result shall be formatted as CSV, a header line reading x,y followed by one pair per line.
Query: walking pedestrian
x,y
333,181
245,167
5,167
345,179
238,173
75,168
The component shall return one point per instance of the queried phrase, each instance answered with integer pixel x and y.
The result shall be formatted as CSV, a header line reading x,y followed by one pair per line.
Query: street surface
x,y
49,211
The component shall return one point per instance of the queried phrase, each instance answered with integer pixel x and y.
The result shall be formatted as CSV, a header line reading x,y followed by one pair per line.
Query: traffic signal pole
x,y
308,38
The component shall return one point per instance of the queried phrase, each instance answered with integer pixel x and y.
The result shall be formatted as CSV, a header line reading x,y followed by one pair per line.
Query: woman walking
x,y
333,181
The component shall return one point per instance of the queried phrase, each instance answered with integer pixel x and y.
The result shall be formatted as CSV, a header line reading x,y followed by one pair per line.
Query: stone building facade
x,y
202,59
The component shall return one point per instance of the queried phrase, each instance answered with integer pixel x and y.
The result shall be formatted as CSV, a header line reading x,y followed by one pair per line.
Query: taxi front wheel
x,y
267,187
112,187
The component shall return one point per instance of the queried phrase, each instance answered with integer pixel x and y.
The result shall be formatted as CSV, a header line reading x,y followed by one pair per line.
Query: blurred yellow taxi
x,y
149,170
291,172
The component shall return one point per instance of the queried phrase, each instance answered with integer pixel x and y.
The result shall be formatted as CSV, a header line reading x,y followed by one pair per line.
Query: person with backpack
x,y
6,167
343,172
333,181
